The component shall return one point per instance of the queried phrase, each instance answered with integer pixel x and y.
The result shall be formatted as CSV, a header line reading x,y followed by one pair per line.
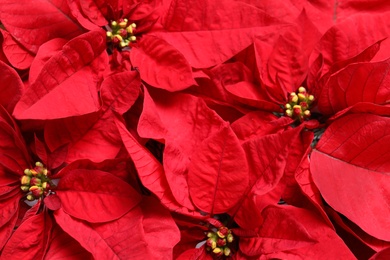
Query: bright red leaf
x,y
218,172
11,87
67,78
111,197
16,54
161,65
350,166
34,23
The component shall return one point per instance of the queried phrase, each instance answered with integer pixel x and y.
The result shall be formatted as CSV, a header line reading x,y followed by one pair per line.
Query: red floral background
x,y
182,129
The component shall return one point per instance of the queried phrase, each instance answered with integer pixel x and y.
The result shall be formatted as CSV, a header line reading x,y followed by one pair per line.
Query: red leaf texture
x,y
69,77
120,91
183,121
358,82
350,166
111,197
209,39
350,37
150,171
161,65
30,239
133,236
63,246
218,172
11,87
8,217
16,54
294,233
34,23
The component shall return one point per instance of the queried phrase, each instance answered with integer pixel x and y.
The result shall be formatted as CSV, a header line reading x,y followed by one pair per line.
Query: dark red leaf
x,y
66,78
161,65
29,241
34,23
360,82
350,166
120,91
111,197
16,54
218,172
207,40
11,87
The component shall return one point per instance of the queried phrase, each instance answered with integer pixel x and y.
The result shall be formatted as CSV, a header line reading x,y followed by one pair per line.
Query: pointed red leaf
x,y
63,246
11,87
7,229
111,196
350,37
16,54
93,136
120,91
150,171
161,65
34,23
350,166
184,121
30,239
359,82
294,233
67,78
218,172
207,40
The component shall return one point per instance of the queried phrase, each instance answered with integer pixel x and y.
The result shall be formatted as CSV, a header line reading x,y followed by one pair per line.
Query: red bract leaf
x,y
30,239
207,40
218,172
382,255
359,82
294,233
45,52
159,225
120,91
350,166
350,37
112,197
161,65
184,121
150,171
290,56
63,246
16,54
34,23
13,152
69,77
9,208
93,136
120,239
7,229
267,159
11,87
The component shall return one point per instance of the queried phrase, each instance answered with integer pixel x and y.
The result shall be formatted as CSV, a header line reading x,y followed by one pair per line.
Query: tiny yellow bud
x,y
287,106
123,44
30,197
301,97
27,172
226,251
114,23
230,238
24,188
109,34
289,112
33,172
133,38
118,37
133,25
25,180
307,113
45,171
302,90
129,29
217,250
311,97
38,164
294,98
123,24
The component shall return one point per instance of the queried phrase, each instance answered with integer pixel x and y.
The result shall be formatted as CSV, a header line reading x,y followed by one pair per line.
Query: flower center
x,y
121,33
298,106
219,242
36,182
